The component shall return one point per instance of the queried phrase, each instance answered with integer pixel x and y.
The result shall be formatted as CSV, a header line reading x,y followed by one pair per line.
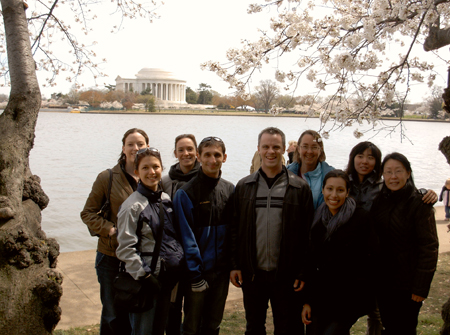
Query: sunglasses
x,y
211,138
141,151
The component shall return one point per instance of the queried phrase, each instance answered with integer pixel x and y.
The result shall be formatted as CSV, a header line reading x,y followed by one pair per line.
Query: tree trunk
x,y
30,287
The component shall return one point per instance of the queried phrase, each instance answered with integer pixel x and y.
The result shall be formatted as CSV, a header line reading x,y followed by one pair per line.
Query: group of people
x,y
323,246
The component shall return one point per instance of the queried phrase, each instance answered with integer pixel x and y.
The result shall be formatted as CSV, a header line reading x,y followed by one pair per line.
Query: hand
x,y
298,285
306,314
430,197
416,298
112,231
200,286
236,278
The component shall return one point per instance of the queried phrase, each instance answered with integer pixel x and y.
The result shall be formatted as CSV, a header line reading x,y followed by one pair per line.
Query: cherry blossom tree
x,y
30,286
361,52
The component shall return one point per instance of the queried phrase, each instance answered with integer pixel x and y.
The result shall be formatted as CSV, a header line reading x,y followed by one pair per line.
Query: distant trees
x,y
434,102
266,94
191,96
286,101
204,94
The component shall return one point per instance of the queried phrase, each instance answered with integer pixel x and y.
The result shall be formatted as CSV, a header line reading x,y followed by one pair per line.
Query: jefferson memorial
x,y
162,84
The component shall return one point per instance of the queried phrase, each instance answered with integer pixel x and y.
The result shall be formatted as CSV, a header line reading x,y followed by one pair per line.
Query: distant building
x,y
162,84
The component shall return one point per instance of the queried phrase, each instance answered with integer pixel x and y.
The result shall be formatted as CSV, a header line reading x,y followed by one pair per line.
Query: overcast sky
x,y
187,34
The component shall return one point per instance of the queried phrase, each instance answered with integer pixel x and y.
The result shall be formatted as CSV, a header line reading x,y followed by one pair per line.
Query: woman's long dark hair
x,y
359,149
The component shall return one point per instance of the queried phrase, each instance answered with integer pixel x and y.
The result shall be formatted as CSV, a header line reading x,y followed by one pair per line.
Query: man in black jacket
x,y
273,214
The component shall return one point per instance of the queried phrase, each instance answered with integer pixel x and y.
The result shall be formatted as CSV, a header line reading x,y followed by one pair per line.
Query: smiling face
x,y
186,153
149,172
334,193
271,150
364,163
212,159
309,152
133,143
395,175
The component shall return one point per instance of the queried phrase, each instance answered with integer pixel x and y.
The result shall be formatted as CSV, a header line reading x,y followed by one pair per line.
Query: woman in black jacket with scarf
x,y
179,174
408,247
339,285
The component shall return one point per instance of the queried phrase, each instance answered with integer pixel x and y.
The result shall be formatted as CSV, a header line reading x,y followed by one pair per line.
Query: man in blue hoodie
x,y
203,213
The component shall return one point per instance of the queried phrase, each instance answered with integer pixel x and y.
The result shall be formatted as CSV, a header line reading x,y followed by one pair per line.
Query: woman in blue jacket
x,y
309,163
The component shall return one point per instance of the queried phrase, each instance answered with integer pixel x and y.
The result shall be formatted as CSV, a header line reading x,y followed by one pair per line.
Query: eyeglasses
x,y
211,138
394,173
313,148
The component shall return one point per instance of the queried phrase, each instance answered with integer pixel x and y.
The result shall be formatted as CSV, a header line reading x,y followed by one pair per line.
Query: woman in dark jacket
x,y
179,174
339,286
408,247
124,182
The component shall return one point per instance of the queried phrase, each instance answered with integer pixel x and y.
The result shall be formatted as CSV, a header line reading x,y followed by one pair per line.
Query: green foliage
x,y
205,95
148,100
191,96
147,91
435,102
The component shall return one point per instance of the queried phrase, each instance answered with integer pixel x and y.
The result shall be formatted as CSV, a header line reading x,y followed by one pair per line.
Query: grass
x,y
430,321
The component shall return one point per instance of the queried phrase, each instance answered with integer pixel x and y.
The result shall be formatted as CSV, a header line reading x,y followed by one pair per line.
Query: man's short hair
x,y
272,131
211,141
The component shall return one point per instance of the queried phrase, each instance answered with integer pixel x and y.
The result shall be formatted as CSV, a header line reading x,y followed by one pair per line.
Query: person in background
x,y
179,174
203,212
142,209
187,167
291,150
269,239
340,283
124,183
445,197
409,244
309,163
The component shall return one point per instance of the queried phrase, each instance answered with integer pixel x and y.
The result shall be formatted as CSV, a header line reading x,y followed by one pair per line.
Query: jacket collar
x,y
152,196
292,178
208,181
121,179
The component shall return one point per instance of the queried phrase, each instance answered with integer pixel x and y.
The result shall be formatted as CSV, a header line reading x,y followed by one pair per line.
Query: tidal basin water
x,y
71,149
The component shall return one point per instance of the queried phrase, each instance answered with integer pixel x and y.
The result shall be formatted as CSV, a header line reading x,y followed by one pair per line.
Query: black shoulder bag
x,y
136,296
105,211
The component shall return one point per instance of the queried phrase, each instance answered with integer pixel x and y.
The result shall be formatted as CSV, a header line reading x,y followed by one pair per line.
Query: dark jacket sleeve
x,y
428,249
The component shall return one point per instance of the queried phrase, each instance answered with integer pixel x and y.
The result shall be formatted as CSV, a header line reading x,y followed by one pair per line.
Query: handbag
x,y
105,211
136,296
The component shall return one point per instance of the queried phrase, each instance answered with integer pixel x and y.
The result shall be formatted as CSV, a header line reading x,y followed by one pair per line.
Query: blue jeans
x,y
142,323
203,311
112,321
286,304
447,212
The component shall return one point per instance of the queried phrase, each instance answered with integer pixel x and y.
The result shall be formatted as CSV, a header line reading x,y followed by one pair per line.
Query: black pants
x,y
399,313
286,304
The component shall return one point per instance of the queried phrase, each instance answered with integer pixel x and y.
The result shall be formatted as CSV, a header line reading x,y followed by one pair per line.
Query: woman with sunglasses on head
x,y
339,283
136,245
179,174
406,229
123,183
309,163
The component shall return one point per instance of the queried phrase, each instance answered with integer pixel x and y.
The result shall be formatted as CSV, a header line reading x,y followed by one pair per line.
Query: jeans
x,y
399,313
111,321
447,212
203,311
286,304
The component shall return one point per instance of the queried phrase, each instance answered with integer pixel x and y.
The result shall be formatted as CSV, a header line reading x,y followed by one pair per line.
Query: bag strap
x,y
108,195
158,238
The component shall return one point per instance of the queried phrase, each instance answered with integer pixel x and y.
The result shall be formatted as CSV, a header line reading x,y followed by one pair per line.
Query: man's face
x,y
211,159
271,150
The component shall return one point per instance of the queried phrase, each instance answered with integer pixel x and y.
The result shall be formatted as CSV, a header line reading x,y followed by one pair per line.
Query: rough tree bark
x,y
30,287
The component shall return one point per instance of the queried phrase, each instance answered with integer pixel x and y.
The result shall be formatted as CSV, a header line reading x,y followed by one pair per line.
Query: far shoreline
x,y
220,113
